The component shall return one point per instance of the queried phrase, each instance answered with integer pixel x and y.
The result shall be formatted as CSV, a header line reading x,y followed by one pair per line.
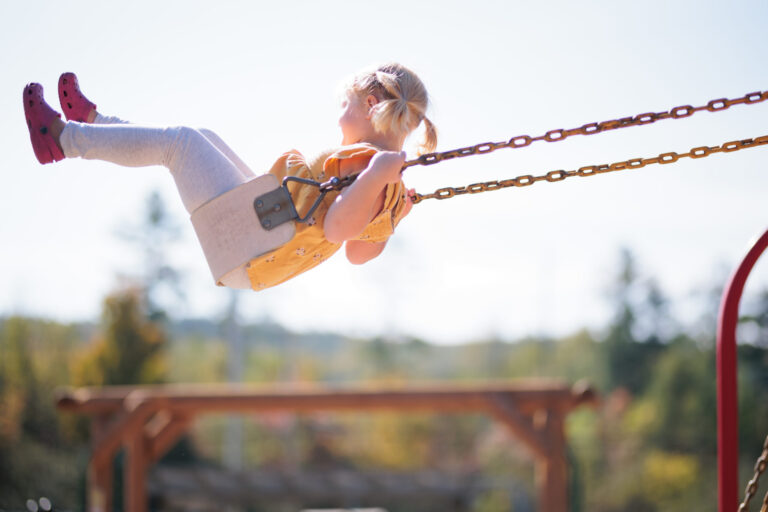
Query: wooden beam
x,y
163,432
504,409
529,396
109,442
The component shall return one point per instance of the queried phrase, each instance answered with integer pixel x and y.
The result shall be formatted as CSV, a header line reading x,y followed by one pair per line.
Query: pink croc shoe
x,y
75,105
39,116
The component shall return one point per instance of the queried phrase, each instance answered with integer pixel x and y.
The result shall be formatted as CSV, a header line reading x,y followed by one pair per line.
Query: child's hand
x,y
388,165
408,201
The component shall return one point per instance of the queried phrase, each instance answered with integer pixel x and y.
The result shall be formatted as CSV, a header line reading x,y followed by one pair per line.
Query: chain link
x,y
336,183
751,489
590,170
521,141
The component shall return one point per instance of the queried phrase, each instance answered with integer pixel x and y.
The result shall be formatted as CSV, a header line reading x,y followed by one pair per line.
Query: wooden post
x,y
99,487
100,474
552,470
135,470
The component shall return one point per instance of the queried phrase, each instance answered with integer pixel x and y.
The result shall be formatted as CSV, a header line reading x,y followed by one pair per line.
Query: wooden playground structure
x,y
146,421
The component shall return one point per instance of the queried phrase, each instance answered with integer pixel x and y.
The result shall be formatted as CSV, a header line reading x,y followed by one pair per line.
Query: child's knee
x,y
208,134
185,133
186,137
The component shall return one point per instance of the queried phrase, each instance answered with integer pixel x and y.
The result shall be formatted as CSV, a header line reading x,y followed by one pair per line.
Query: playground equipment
x,y
727,392
259,216
146,421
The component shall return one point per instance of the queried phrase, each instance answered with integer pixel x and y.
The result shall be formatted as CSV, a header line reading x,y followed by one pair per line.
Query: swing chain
x,y
521,141
590,170
336,183
751,490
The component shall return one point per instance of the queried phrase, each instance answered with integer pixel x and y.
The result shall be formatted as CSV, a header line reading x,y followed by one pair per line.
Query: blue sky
x,y
510,263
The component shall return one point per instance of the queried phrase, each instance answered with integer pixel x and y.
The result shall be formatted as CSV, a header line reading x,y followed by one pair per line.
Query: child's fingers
x,y
408,201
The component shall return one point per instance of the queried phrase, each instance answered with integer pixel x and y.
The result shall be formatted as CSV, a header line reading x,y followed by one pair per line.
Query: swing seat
x,y
229,229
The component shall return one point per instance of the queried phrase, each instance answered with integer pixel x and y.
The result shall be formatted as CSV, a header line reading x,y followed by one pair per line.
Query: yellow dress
x,y
309,248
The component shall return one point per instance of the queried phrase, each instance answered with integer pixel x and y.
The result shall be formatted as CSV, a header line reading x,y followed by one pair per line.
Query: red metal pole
x,y
727,391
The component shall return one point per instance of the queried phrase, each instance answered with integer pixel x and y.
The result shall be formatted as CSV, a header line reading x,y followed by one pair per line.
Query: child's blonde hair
x,y
402,103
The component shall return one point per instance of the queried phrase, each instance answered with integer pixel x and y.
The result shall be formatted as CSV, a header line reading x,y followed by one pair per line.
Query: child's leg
x,y
200,170
100,119
79,108
210,135
222,146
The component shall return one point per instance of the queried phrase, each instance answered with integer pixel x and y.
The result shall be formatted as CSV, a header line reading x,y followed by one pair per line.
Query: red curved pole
x,y
727,391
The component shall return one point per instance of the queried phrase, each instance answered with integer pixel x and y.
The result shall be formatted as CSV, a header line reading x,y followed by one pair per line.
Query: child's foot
x,y
74,104
44,125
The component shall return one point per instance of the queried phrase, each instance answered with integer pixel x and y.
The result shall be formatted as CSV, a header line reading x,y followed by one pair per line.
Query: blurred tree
x,y
32,457
21,383
683,395
159,282
130,350
579,356
381,356
628,360
655,321
753,400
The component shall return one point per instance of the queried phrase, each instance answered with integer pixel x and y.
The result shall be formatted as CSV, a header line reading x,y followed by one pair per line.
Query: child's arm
x,y
359,203
360,251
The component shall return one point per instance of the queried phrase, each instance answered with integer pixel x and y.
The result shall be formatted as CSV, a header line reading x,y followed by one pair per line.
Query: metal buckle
x,y
275,208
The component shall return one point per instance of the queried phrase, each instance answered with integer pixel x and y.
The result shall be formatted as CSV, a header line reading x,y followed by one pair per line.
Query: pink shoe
x,y
39,116
74,104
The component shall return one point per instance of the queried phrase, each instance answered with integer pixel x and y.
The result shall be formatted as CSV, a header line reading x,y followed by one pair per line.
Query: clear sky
x,y
510,263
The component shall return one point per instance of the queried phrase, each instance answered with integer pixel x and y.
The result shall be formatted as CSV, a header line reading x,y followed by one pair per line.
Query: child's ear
x,y
371,101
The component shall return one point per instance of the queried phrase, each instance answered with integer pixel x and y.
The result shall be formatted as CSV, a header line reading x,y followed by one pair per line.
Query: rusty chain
x,y
522,141
590,170
557,135
751,489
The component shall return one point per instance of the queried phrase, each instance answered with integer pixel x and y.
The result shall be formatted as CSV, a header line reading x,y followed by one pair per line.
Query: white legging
x,y
201,164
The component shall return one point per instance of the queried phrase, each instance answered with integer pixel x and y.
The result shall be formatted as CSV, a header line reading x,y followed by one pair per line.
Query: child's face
x,y
355,119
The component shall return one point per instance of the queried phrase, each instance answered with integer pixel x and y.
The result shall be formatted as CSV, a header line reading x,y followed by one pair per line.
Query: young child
x,y
380,108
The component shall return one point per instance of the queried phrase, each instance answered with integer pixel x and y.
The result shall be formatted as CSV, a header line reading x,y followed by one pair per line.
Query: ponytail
x,y
429,143
402,102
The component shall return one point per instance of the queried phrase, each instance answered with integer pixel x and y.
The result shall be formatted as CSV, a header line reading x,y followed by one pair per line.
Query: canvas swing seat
x,y
230,230
253,219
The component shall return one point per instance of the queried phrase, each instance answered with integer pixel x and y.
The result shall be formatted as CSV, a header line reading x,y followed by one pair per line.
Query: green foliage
x,y
629,358
493,501
682,391
34,452
667,479
650,446
130,350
